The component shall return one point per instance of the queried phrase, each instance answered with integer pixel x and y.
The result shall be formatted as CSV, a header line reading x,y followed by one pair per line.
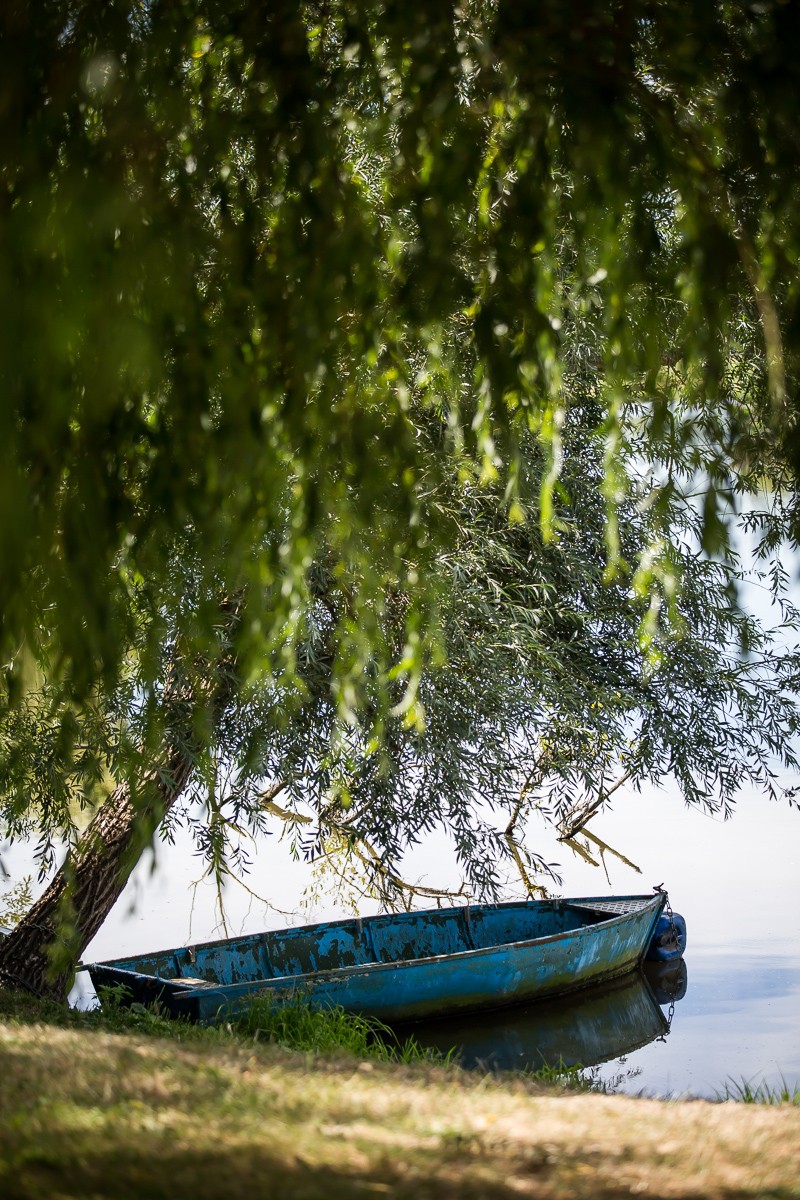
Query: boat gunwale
x,y
320,927
297,982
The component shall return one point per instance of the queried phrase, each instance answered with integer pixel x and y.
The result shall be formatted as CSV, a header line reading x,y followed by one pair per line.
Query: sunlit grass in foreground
x,y
296,1024
122,1104
745,1091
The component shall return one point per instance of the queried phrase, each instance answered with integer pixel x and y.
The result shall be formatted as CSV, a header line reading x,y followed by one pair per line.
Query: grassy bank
x,y
118,1106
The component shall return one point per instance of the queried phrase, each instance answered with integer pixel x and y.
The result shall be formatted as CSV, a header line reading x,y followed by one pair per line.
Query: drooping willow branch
x,y
576,817
603,848
389,883
531,780
754,272
529,783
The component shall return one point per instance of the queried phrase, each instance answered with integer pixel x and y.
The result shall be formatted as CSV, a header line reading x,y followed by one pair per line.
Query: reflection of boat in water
x,y
579,1030
668,980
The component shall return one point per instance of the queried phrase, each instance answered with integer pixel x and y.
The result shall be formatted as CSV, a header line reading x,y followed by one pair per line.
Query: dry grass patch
x,y
85,1113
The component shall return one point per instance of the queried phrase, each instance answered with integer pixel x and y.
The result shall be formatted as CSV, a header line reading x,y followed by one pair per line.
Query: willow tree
x,y
248,252
551,685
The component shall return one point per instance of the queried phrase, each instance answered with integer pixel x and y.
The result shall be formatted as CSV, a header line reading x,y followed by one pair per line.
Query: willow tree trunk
x,y
40,954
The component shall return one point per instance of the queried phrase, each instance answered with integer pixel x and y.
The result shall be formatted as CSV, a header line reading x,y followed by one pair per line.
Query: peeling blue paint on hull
x,y
403,967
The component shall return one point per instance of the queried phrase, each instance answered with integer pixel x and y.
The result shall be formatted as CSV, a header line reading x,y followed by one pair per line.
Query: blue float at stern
x,y
668,942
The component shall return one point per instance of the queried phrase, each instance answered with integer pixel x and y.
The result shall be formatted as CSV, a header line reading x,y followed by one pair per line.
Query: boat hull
x,y
608,938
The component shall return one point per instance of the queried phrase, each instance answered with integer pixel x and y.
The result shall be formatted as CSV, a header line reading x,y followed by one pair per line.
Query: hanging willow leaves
x,y
245,248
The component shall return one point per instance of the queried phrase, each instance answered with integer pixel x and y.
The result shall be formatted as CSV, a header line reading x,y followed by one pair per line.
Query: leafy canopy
x,y
553,686
246,248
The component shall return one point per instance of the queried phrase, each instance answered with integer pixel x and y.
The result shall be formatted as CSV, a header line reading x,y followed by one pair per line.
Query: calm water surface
x,y
736,882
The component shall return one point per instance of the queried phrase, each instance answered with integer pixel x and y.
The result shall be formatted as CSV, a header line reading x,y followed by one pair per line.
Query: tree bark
x,y
40,954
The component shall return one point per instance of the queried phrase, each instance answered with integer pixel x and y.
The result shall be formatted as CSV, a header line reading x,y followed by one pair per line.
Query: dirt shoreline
x,y
86,1113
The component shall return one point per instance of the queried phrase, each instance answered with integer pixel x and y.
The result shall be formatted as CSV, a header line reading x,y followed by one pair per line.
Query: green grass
x,y
297,1025
560,1075
294,1025
744,1091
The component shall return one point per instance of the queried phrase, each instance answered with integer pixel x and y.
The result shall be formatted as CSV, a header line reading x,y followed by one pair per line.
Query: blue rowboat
x,y
401,966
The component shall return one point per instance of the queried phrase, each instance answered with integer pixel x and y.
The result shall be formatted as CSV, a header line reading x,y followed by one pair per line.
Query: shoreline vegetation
x,y
124,1103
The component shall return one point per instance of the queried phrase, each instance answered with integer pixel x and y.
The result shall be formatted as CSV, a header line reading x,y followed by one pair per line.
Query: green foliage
x,y
551,681
15,901
246,251
544,694
380,377
295,1024
298,1025
746,1091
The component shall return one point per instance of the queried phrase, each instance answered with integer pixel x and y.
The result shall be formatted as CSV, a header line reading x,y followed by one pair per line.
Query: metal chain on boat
x,y
670,1013
673,928
17,981
662,891
27,985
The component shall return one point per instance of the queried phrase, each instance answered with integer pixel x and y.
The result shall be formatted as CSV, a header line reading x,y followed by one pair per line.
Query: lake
x,y
736,882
